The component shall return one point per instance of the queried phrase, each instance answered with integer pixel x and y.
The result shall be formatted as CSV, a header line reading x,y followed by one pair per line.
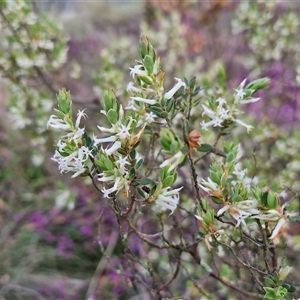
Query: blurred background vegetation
x,y
54,229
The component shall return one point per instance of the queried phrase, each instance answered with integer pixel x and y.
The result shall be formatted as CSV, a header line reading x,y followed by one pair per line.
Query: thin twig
x,y
178,265
101,265
234,287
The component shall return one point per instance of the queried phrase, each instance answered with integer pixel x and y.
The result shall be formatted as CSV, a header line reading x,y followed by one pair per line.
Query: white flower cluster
x,y
28,40
225,111
70,154
119,176
264,29
247,209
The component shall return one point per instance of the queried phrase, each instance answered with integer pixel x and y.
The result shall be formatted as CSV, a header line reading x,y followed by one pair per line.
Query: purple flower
x,y
39,220
65,246
87,231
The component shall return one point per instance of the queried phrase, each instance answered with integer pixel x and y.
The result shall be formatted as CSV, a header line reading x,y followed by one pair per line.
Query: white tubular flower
x,y
176,87
75,162
221,101
131,88
150,117
240,211
208,112
80,114
104,178
131,105
76,136
216,117
208,186
58,123
108,130
248,127
168,199
106,193
250,100
223,209
239,215
108,139
240,93
113,148
120,132
277,228
274,215
119,181
174,161
121,163
123,132
136,70
144,100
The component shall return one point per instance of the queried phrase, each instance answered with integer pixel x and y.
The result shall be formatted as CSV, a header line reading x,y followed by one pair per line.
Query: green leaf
x,y
109,165
141,192
168,181
148,63
205,148
185,150
258,84
60,114
108,100
153,189
230,157
216,200
223,180
236,198
131,174
163,173
112,116
87,139
272,200
142,49
295,219
214,177
170,104
270,293
269,281
162,115
139,163
264,198
64,101
146,79
145,181
183,162
132,154
155,109
222,77
290,288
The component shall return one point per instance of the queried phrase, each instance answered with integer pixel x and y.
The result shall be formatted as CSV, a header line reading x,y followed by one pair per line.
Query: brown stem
x,y
265,246
143,238
195,181
174,275
241,261
234,287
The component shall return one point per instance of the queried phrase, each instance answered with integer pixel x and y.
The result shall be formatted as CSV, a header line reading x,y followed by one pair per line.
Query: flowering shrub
x,y
146,160
176,192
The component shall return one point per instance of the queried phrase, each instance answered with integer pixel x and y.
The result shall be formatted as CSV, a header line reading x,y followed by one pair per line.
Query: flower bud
x,y
64,101
194,139
272,200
